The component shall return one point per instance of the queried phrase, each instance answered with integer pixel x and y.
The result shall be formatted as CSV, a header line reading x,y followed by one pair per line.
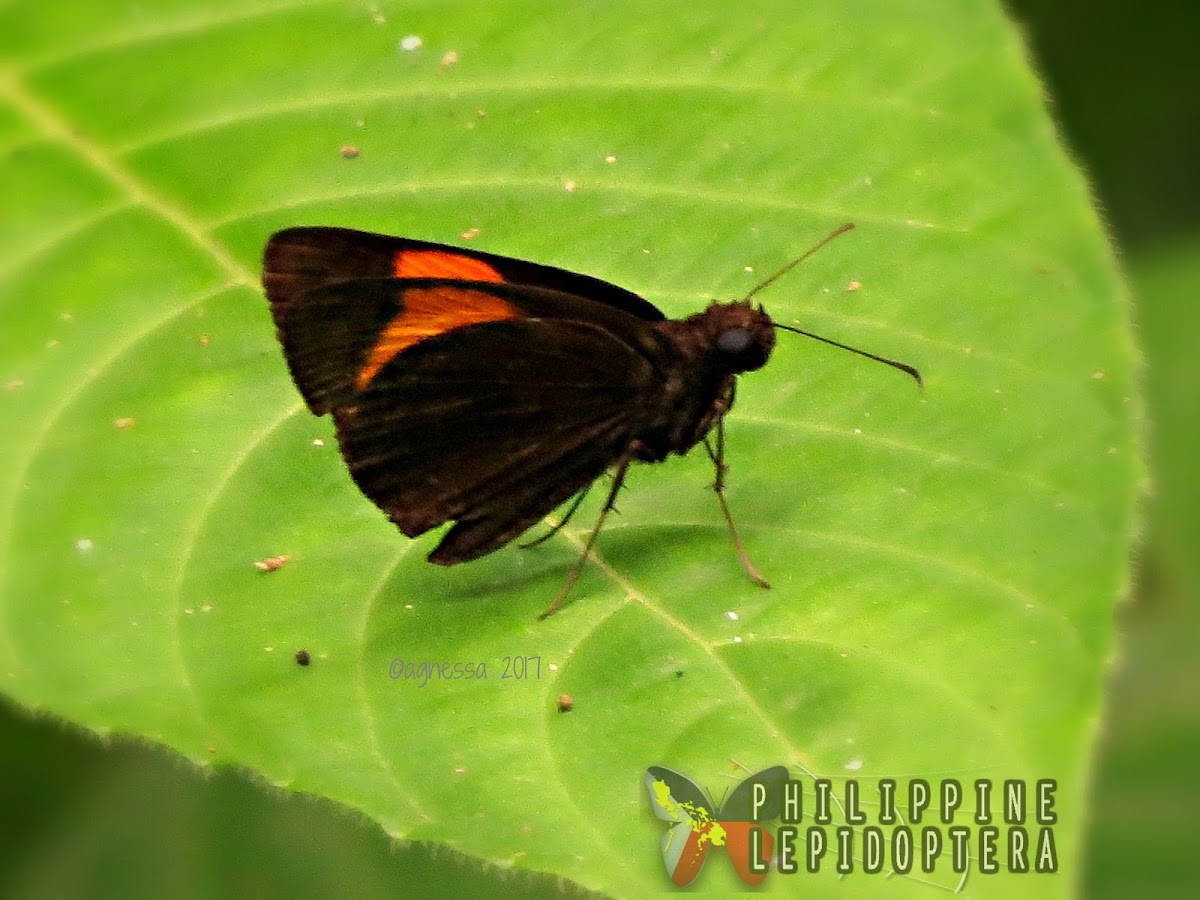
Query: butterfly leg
x,y
718,458
618,479
561,523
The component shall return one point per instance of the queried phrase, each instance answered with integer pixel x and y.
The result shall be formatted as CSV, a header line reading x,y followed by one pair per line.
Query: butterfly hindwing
x,y
492,426
737,842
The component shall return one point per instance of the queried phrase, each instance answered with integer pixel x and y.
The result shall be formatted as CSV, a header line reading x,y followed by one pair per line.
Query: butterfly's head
x,y
740,335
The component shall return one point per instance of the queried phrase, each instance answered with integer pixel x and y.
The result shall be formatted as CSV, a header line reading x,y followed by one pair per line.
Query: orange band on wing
x,y
441,264
427,313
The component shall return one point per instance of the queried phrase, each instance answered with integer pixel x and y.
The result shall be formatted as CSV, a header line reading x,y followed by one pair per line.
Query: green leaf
x,y
945,564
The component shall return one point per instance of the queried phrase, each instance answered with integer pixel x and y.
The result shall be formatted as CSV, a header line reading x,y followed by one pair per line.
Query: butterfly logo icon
x,y
699,823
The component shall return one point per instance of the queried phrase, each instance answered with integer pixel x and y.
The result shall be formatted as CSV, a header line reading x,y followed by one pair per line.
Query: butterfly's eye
x,y
733,340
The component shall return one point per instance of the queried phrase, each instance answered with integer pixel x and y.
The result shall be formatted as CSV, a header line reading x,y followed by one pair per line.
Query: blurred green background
x,y
80,818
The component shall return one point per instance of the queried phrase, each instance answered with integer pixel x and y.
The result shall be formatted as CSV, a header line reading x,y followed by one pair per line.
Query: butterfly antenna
x,y
840,230
895,364
724,796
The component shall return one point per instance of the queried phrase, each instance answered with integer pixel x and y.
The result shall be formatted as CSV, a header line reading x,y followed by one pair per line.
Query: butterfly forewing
x,y
340,335
674,797
300,260
769,784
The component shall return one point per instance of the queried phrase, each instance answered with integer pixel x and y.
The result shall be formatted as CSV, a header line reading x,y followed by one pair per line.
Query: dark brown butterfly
x,y
487,391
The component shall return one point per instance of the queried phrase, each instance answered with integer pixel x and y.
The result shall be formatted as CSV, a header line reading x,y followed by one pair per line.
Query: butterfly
x,y
486,391
699,824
